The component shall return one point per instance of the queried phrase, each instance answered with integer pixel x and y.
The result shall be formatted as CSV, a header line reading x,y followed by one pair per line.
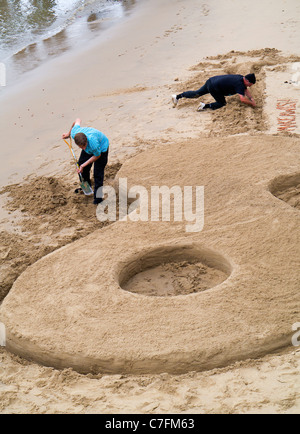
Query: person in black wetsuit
x,y
219,87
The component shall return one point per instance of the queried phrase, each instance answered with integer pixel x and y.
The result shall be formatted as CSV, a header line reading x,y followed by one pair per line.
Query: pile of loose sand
x,y
52,216
231,120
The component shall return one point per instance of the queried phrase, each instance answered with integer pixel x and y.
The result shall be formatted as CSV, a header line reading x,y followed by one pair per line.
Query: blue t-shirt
x,y
97,141
227,84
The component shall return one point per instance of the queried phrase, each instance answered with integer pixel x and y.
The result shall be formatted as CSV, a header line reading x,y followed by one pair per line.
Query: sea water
x,y
33,31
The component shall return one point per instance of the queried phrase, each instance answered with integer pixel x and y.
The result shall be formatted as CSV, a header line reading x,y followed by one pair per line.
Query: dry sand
x,y
132,105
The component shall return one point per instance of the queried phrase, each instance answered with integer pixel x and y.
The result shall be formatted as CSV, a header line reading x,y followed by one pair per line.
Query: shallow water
x,y
32,31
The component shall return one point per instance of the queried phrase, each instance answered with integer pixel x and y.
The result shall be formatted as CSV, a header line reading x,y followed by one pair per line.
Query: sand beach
x,y
139,316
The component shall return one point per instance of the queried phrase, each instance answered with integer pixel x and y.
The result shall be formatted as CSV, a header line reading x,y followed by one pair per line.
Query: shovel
x,y
85,186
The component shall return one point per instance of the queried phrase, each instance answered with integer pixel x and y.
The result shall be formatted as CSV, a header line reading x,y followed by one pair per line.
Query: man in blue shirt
x,y
221,86
94,147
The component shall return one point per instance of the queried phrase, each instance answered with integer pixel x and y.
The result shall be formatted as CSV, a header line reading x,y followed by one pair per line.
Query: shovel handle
x,y
72,151
89,192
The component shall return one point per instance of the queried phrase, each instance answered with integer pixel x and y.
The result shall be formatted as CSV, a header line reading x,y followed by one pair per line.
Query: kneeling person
x,y
219,87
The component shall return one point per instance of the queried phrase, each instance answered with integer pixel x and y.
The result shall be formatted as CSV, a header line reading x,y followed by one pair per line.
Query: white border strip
x,y
2,335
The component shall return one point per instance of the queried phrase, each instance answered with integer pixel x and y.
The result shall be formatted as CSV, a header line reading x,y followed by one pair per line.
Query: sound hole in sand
x,y
173,271
287,188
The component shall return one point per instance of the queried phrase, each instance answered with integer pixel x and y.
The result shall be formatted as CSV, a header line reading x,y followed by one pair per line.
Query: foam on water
x,y
32,32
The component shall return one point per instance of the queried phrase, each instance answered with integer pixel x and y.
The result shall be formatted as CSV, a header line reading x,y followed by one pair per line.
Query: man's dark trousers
x,y
99,166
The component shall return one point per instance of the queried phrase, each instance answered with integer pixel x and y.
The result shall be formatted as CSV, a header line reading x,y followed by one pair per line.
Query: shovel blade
x,y
86,188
